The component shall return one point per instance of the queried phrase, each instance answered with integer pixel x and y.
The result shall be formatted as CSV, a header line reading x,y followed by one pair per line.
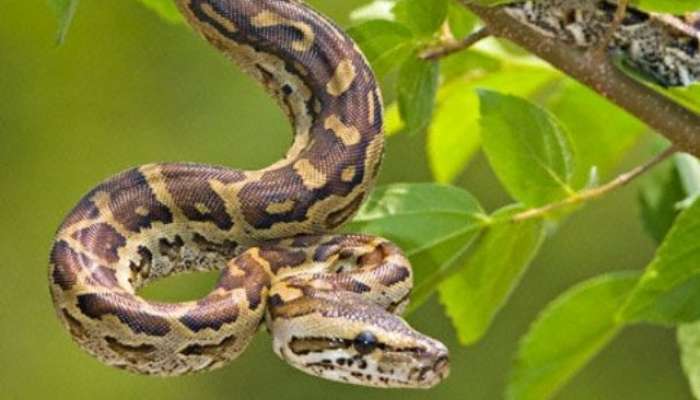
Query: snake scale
x,y
331,302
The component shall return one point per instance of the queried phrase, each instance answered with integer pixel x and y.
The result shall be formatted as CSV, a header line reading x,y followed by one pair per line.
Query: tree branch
x,y
453,46
677,123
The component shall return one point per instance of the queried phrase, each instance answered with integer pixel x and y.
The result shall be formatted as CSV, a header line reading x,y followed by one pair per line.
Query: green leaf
x,y
689,343
670,189
417,86
689,172
568,334
527,147
392,120
65,10
659,196
386,44
469,65
669,6
494,267
424,17
401,212
461,20
580,109
378,9
434,224
687,96
165,8
454,134
669,291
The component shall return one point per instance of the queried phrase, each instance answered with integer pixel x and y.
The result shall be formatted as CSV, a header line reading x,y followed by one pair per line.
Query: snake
x,y
663,48
332,302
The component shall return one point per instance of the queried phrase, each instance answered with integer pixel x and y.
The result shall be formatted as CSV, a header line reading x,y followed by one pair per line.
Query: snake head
x,y
341,337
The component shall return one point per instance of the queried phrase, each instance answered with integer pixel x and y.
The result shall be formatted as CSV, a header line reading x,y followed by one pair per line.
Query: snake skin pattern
x,y
662,47
330,301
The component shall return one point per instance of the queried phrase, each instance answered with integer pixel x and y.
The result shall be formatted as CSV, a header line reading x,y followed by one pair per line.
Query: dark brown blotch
x,y
338,217
391,274
169,249
209,349
227,248
328,249
211,313
142,352
76,327
106,277
306,241
144,265
85,210
282,258
102,240
274,187
126,309
254,278
306,345
189,185
66,265
132,201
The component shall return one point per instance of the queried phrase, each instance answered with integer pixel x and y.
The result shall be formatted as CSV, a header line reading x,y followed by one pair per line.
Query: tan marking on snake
x,y
281,208
312,177
348,134
269,231
268,19
342,79
348,174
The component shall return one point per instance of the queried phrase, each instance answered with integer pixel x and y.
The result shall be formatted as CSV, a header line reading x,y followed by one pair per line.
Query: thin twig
x,y
453,46
614,26
679,124
596,192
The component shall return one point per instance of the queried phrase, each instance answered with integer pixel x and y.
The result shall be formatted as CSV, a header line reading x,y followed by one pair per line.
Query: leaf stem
x,y
596,192
451,46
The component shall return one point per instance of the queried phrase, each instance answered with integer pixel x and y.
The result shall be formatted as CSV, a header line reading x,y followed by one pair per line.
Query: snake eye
x,y
365,342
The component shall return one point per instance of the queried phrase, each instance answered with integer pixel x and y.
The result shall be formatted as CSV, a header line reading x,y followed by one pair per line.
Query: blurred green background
x,y
128,89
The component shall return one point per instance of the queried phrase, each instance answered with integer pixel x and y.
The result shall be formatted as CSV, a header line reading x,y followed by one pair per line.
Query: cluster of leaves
x,y
535,128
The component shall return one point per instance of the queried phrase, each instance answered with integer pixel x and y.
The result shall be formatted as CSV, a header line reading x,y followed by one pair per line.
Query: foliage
x,y
548,140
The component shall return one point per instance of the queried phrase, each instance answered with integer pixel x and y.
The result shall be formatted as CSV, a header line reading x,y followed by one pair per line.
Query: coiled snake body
x,y
330,301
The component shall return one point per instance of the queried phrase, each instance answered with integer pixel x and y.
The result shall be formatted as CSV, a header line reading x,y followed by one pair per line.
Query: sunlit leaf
x,y
423,16
402,212
669,291
485,279
567,335
461,20
165,8
378,9
433,224
527,147
669,6
454,134
65,11
659,197
416,90
386,44
689,344
689,171
600,142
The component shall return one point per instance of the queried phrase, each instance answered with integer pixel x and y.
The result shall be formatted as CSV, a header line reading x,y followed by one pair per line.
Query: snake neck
x,y
325,86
